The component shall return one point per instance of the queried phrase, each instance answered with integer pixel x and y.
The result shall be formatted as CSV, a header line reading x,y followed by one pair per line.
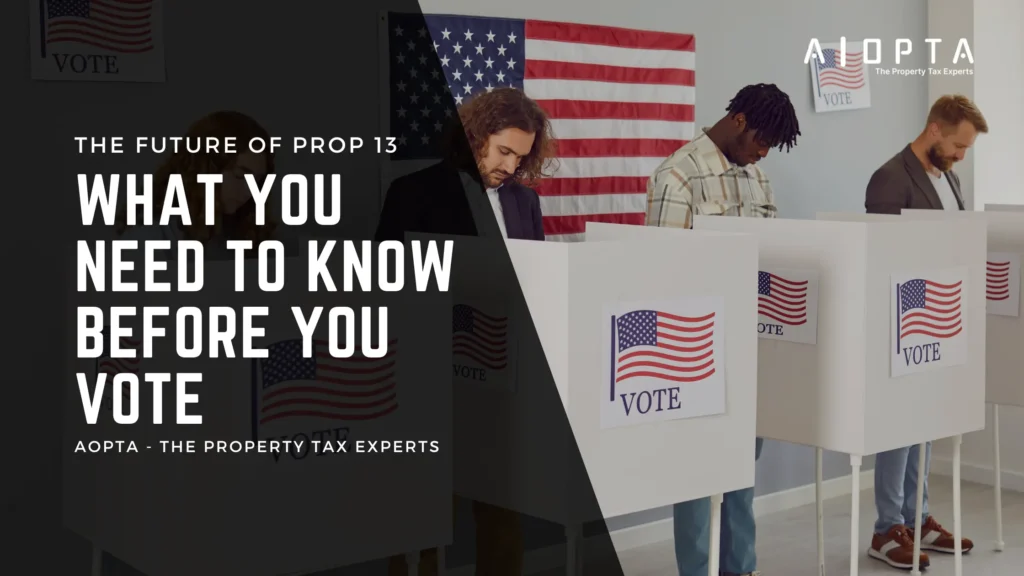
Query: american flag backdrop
x,y
290,387
110,366
620,101
781,299
480,337
653,344
830,73
120,26
997,281
928,308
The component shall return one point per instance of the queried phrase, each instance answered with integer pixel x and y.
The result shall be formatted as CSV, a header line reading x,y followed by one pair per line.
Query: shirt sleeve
x,y
670,196
769,192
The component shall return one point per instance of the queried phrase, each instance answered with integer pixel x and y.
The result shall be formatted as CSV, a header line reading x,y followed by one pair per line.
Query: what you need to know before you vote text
x,y
148,207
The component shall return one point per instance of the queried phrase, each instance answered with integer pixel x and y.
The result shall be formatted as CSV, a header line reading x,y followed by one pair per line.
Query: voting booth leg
x,y
999,545
412,560
821,510
855,462
958,551
715,549
97,561
920,504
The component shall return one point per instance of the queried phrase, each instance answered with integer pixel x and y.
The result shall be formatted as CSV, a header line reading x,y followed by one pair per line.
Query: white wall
x,y
951,20
999,92
998,29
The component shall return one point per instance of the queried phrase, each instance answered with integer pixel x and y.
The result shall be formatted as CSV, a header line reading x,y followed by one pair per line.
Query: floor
x,y
787,544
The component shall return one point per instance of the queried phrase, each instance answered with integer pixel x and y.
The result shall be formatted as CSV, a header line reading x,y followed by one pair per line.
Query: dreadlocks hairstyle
x,y
769,112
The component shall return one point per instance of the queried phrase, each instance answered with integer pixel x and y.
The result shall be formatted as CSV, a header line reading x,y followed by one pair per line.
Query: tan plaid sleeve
x,y
670,195
770,194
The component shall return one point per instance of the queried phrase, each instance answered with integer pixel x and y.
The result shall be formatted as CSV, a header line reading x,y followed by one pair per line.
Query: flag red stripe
x,y
596,110
104,35
667,356
608,36
103,45
661,376
578,223
617,148
931,334
552,70
589,186
329,415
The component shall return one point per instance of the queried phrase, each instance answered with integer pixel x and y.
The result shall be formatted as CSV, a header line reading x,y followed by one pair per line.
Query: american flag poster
x,y
483,348
928,321
97,40
293,394
787,305
665,361
620,101
1002,284
839,77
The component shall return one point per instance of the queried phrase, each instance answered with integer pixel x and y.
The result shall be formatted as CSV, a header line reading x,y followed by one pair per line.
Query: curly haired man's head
x,y
508,138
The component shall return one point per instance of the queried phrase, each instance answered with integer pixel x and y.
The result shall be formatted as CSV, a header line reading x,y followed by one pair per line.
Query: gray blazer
x,y
902,183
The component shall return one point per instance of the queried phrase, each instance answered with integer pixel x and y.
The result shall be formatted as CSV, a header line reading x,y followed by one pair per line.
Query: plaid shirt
x,y
697,179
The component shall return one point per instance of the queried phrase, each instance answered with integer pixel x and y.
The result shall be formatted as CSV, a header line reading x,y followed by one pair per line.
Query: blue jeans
x,y
896,487
692,522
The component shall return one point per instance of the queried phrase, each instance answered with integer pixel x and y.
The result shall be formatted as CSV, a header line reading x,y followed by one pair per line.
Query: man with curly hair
x,y
500,145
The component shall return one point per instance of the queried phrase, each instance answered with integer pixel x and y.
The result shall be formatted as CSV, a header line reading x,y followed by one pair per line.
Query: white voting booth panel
x,y
297,511
637,466
501,455
572,293
1005,323
1004,207
840,393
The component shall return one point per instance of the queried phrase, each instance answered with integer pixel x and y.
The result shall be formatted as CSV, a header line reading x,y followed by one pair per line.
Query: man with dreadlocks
x,y
717,174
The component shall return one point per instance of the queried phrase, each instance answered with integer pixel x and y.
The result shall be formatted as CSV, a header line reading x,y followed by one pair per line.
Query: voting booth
x,y
630,318
1004,207
899,309
1004,383
303,508
644,357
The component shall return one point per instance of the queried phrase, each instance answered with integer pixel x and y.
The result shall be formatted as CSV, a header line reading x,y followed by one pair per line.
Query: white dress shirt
x,y
945,192
499,215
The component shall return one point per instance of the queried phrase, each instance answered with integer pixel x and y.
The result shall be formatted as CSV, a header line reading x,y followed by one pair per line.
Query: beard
x,y
941,162
493,178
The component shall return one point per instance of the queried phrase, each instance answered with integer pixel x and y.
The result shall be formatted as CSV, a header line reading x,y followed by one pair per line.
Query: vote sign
x,y
666,361
928,320
787,305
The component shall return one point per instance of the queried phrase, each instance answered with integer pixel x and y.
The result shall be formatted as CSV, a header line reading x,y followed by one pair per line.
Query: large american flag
x,y
121,26
654,344
295,388
620,101
110,366
831,73
479,337
997,281
781,299
929,309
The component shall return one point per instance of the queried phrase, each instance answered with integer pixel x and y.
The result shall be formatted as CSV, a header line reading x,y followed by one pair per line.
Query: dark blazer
x,y
902,183
434,201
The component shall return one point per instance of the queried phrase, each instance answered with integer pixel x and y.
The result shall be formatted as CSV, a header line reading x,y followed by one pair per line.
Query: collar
x,y
711,155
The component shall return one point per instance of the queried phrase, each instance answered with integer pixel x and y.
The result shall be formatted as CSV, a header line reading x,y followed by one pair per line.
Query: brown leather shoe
x,y
896,549
935,537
